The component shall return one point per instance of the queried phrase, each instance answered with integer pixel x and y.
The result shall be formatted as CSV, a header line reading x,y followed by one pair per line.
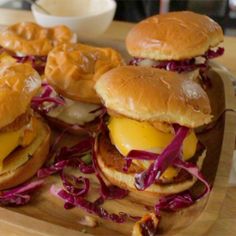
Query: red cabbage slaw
x,y
174,202
77,188
19,195
49,96
70,156
72,183
170,156
50,99
183,65
90,207
184,199
144,179
37,62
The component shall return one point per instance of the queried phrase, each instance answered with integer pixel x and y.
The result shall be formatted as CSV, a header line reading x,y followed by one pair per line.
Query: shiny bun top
x,y
150,94
18,84
173,36
73,69
29,38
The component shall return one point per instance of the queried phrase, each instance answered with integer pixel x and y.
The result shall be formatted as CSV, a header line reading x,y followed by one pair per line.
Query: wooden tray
x,y
45,215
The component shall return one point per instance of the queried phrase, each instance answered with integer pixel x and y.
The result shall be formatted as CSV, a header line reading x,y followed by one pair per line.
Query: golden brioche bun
x,y
111,165
173,36
18,84
150,94
32,39
19,175
73,69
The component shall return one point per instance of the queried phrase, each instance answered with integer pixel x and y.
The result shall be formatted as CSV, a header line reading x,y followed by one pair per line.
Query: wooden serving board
x,y
45,215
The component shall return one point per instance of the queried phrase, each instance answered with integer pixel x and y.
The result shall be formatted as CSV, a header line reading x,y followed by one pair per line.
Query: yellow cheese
x,y
11,140
8,142
127,134
22,155
170,173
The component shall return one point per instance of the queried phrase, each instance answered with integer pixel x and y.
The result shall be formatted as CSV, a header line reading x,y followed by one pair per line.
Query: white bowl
x,y
87,18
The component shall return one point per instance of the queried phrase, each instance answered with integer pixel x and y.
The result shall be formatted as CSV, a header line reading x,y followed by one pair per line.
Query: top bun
x,y
150,94
173,36
73,69
18,84
31,39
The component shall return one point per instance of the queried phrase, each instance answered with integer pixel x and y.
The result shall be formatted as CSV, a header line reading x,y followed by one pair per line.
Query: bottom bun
x,y
72,129
16,173
111,163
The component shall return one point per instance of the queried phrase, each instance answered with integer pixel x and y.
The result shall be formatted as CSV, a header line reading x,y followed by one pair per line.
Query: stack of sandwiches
x,y
153,104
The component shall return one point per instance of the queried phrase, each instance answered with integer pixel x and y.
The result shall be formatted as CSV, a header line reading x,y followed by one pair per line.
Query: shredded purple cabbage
x,y
178,162
137,155
40,100
52,100
185,199
37,62
210,54
69,156
174,155
174,202
112,191
55,168
79,149
20,195
128,163
180,66
144,179
194,171
73,193
183,65
73,184
48,96
88,206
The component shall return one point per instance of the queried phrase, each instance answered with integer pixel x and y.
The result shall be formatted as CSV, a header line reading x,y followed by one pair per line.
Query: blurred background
x,y
223,11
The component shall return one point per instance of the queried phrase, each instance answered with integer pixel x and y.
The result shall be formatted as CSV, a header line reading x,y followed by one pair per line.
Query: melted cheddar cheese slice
x,y
11,140
22,155
127,134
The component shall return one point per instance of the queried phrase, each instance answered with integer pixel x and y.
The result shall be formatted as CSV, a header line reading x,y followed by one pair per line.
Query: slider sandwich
x,y
24,137
150,136
176,41
71,73
30,42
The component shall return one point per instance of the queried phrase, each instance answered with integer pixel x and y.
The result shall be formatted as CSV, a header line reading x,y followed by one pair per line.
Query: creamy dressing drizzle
x,y
75,112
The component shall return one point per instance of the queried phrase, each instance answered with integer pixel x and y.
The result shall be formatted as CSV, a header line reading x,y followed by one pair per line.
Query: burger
x,y
181,41
71,72
30,42
150,140
24,137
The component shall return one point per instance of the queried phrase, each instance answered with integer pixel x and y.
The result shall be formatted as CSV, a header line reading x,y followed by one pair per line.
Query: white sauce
x,y
20,54
75,112
146,62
